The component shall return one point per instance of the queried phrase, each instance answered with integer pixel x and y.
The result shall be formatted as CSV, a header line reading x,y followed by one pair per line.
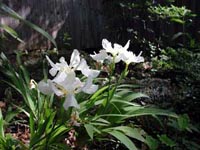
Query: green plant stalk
x,y
1,125
112,66
110,95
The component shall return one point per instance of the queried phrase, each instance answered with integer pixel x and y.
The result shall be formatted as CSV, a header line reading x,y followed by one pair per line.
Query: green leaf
x,y
177,35
15,15
42,130
90,130
11,32
32,125
11,114
166,140
130,95
1,125
131,132
151,111
122,86
122,102
123,139
100,122
99,92
151,142
177,20
57,132
183,121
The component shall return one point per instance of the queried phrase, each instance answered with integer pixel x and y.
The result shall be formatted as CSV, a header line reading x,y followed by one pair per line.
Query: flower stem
x,y
111,90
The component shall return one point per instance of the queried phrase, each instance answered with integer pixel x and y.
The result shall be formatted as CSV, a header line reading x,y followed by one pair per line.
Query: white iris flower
x,y
128,57
67,88
62,70
101,56
118,53
66,84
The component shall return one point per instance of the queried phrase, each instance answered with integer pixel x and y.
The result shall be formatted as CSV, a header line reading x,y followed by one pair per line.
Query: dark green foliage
x,y
166,33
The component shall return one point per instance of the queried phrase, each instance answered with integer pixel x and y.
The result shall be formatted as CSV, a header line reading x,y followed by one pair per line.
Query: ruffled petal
x,y
106,44
53,71
117,47
72,85
86,71
100,57
89,88
125,55
128,57
90,72
82,65
45,87
139,58
70,101
60,77
58,89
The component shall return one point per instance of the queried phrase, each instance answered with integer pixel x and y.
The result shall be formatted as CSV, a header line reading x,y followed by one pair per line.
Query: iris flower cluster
x,y
117,53
65,82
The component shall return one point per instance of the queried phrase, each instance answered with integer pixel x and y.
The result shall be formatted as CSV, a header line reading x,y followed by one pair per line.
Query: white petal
x,y
117,59
89,87
90,72
89,90
53,71
54,68
125,55
66,85
62,60
101,56
75,59
70,101
130,57
45,87
106,44
50,62
117,46
60,77
77,83
82,65
62,63
139,59
119,49
84,68
108,47
72,85
57,91
109,58
127,45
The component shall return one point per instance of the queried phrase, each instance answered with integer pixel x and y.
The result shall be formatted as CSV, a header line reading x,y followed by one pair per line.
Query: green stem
x,y
111,94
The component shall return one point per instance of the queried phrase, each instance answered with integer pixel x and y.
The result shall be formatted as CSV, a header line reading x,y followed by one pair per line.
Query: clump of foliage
x,y
171,13
71,103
